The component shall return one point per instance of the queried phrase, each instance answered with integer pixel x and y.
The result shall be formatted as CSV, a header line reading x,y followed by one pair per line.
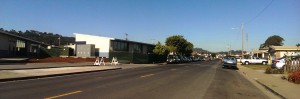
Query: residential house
x,y
17,46
280,51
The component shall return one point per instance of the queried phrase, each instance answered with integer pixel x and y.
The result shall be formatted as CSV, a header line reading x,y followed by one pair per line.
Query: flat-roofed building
x,y
126,51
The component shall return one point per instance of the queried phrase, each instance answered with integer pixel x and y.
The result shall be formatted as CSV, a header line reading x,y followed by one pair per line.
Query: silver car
x,y
229,62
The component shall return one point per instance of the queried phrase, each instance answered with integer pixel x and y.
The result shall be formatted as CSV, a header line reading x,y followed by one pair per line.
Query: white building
x,y
125,50
102,44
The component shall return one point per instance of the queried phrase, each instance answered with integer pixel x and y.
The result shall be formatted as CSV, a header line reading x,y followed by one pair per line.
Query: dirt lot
x,y
62,59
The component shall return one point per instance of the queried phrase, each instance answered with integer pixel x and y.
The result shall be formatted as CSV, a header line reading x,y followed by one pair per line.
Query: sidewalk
x,y
273,82
40,70
22,66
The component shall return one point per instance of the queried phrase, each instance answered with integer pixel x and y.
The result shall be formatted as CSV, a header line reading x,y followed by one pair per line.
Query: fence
x,y
292,64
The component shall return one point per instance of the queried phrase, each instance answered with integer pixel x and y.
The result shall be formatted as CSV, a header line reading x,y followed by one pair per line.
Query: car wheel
x,y
247,63
264,63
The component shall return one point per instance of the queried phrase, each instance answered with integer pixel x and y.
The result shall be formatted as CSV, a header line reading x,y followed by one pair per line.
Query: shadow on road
x,y
232,68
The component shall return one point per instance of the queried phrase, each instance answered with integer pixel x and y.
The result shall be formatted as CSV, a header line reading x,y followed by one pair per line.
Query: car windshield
x,y
230,58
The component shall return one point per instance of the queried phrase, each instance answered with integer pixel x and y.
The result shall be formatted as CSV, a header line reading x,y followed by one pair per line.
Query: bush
x,y
269,70
53,52
295,77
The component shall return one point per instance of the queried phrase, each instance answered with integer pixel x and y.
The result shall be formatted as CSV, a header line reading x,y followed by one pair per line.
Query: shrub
x,y
269,70
53,52
295,77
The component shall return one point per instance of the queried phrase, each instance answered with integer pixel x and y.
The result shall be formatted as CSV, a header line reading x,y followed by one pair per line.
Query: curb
x,y
44,67
52,75
271,90
264,86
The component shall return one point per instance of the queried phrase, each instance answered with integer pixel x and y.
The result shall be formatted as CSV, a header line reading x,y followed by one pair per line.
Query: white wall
x,y
103,43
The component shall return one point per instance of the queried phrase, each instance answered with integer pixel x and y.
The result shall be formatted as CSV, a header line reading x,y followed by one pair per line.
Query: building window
x,y
137,48
20,44
119,46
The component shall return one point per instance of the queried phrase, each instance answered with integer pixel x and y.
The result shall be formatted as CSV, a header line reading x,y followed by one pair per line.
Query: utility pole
x,y
229,49
242,40
59,41
126,35
247,45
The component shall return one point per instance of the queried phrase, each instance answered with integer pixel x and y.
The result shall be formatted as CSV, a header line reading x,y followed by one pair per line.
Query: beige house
x,y
261,53
280,51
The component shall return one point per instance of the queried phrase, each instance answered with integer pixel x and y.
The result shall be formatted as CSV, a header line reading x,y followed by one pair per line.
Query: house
x,y
280,51
17,46
124,50
261,53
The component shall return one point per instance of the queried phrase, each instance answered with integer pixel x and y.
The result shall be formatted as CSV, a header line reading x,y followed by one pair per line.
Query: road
x,y
201,80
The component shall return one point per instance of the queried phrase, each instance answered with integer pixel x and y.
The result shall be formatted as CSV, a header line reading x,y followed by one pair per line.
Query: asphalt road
x,y
202,80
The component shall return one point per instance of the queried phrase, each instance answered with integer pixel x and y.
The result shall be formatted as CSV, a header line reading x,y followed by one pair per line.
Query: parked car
x,y
229,61
279,63
239,59
202,59
254,60
172,59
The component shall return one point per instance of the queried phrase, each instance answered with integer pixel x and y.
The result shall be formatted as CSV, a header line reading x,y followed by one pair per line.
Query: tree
x,y
172,49
177,41
189,49
48,38
274,40
160,49
298,44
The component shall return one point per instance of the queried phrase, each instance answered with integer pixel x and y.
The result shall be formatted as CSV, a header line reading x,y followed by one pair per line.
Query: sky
x,y
214,25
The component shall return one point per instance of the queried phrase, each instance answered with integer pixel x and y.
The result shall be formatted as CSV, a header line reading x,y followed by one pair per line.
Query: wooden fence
x,y
292,64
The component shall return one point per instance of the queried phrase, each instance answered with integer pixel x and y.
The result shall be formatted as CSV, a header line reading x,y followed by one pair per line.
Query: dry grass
x,y
257,67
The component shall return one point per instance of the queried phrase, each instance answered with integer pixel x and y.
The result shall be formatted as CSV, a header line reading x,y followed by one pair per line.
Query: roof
x,y
260,51
133,42
285,48
22,38
93,36
115,39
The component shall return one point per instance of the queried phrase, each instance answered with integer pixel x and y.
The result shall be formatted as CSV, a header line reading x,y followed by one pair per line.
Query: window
x,y
137,48
20,44
119,46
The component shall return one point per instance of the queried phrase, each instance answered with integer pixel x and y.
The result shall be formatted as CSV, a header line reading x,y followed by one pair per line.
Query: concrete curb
x,y
271,90
52,75
44,67
263,85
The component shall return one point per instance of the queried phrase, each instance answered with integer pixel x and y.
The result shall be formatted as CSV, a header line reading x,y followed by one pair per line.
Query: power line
x,y
259,13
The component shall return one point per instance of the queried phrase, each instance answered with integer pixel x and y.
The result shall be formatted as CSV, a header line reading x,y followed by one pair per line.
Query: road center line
x,y
147,75
63,95
173,69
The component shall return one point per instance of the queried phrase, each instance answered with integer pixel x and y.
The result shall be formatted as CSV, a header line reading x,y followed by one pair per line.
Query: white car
x,y
279,63
254,60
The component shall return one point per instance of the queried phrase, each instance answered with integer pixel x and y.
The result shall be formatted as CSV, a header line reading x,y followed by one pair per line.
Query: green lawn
x,y
257,67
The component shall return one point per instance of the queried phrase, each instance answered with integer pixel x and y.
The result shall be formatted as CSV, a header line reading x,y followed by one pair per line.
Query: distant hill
x,y
48,38
200,50
233,52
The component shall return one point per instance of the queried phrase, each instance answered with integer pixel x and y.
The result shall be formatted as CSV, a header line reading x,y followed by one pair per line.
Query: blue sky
x,y
208,24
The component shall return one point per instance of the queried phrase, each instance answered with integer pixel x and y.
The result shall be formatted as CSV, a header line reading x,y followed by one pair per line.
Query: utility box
x,y
67,51
85,50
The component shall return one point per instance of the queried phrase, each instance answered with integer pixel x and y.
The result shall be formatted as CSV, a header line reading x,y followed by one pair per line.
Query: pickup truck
x,y
254,60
